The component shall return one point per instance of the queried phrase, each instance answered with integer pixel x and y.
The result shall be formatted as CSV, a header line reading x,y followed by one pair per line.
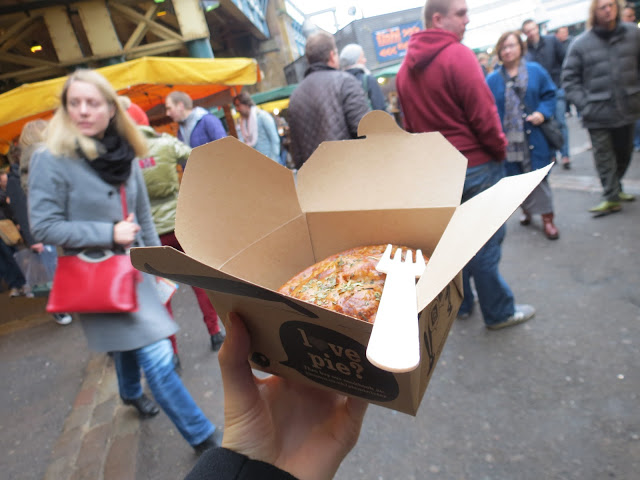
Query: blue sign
x,y
391,43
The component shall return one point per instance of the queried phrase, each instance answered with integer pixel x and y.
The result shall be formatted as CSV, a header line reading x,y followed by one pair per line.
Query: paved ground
x,y
556,398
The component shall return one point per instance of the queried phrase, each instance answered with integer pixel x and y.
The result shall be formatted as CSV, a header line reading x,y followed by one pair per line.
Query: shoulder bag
x,y
552,131
95,281
9,233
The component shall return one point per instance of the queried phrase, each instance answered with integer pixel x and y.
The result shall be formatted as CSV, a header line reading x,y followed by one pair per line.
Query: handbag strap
x,y
123,198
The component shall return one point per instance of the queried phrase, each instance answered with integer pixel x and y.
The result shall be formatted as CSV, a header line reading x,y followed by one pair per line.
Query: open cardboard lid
x,y
346,175
229,197
472,225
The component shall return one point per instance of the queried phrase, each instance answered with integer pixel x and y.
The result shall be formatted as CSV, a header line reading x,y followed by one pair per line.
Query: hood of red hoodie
x,y
426,45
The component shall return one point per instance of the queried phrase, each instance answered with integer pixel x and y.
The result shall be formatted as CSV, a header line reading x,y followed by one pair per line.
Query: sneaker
x,y
23,291
62,318
605,208
521,315
626,197
464,315
216,341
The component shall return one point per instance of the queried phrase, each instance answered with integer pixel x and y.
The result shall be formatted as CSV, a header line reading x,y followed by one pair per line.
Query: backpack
x,y
365,87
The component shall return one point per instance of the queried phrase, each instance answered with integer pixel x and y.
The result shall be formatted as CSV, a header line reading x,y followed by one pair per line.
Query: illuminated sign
x,y
391,43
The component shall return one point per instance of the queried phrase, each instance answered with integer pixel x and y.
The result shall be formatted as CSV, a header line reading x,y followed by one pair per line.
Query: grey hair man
x,y
197,125
352,60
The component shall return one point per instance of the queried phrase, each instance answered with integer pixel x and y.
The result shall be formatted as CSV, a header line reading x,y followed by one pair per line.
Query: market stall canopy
x,y
146,80
390,71
278,98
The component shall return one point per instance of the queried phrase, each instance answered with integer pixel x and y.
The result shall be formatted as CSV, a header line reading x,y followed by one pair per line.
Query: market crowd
x,y
99,176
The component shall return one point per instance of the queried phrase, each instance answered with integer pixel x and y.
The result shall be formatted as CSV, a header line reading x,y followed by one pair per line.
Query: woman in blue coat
x,y
525,96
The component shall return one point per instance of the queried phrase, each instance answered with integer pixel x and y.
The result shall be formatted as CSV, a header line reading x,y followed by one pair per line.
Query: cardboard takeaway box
x,y
246,229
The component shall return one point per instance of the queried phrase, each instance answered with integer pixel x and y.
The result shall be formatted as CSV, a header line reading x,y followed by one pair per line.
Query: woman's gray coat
x,y
72,207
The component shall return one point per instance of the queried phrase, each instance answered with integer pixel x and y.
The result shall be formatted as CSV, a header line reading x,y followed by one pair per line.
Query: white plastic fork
x,y
394,344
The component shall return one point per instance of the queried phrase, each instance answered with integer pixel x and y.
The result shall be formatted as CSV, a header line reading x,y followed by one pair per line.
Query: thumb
x,y
129,218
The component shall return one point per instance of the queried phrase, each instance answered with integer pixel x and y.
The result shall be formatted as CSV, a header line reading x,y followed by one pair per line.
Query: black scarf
x,y
115,157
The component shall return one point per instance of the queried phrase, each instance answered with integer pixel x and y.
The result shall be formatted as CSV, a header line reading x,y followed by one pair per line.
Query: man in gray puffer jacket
x,y
327,105
601,77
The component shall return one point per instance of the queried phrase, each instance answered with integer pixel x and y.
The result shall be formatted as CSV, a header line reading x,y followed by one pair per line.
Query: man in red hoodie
x,y
441,88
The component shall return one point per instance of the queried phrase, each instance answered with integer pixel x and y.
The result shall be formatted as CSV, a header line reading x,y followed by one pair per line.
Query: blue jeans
x,y
156,360
561,108
494,295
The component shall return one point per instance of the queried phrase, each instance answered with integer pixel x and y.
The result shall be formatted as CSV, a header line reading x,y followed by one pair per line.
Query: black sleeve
x,y
6,212
223,464
561,50
19,208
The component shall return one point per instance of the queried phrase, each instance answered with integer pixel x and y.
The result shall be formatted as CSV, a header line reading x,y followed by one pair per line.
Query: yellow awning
x,y
146,80
271,106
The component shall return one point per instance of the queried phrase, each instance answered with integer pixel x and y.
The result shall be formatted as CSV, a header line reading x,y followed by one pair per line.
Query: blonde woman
x,y
74,202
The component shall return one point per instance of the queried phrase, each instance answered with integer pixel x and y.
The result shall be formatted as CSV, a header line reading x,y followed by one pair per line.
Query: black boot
x,y
146,407
216,341
212,441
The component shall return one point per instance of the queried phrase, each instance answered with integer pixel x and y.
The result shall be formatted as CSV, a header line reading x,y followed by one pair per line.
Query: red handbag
x,y
95,281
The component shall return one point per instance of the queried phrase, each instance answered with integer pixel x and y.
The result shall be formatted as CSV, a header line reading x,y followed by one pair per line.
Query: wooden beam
x,y
141,29
15,28
9,44
154,48
162,32
62,34
190,15
28,61
98,26
231,124
32,74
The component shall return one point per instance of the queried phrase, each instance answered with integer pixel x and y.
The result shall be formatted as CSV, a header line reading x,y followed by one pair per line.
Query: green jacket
x,y
161,177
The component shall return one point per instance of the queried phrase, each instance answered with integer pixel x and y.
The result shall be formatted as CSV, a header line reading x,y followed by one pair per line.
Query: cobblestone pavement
x,y
99,439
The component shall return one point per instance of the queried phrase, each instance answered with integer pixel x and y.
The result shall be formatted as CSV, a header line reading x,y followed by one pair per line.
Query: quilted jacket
x,y
601,76
327,105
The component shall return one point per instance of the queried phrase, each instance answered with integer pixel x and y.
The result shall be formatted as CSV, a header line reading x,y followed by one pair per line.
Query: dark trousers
x,y
612,149
9,270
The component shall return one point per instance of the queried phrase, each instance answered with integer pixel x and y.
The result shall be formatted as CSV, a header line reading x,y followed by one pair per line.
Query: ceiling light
x,y
35,47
